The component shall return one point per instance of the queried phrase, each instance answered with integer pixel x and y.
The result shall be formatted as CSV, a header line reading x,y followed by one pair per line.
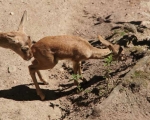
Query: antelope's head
x,y
20,42
117,50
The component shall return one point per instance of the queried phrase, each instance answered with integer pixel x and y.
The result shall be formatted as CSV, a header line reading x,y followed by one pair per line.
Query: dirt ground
x,y
127,97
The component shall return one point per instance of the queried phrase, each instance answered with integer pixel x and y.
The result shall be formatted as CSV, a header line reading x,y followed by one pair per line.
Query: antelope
x,y
17,41
49,50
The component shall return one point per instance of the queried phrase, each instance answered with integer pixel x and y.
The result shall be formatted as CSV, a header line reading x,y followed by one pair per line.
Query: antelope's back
x,y
63,46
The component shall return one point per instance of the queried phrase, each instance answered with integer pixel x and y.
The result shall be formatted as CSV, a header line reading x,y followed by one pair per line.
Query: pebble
x,y
11,13
12,69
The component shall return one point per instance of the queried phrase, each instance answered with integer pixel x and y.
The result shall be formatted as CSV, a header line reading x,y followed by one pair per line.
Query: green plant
x,y
75,78
87,91
102,92
108,62
80,89
122,33
136,73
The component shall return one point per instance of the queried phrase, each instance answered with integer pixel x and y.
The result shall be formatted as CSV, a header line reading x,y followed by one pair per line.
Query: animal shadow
x,y
24,93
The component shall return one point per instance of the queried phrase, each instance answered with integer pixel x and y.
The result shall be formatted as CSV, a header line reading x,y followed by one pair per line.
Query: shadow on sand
x,y
24,93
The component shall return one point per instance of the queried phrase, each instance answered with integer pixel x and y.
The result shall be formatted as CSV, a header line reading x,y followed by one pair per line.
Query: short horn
x,y
21,26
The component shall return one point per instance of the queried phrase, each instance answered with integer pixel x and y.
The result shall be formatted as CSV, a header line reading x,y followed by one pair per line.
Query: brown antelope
x,y
49,50
17,41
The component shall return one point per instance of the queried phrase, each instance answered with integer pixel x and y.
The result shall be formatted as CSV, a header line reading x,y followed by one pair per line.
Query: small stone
x,y
96,112
14,81
103,2
11,69
11,13
148,99
61,69
145,24
60,88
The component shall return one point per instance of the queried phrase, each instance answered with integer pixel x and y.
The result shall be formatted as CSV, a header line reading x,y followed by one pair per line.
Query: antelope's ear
x,y
29,41
104,42
21,25
107,44
12,38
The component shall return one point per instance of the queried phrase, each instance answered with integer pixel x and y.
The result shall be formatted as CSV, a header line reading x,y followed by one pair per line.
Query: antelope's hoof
x,y
42,97
45,83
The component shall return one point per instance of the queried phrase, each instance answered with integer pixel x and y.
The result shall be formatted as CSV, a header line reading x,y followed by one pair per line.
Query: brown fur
x,y
17,41
49,50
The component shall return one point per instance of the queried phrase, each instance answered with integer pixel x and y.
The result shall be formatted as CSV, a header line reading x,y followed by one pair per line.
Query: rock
x,y
130,28
60,88
96,111
148,99
15,81
61,70
145,24
11,13
11,69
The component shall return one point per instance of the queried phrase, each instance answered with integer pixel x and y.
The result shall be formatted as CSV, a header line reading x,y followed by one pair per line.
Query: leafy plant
x,y
108,62
80,89
122,33
87,91
75,78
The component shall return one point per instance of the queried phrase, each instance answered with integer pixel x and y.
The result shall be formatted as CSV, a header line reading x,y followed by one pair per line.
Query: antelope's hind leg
x,y
77,70
41,78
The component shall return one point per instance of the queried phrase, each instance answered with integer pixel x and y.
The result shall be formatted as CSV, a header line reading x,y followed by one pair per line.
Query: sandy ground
x,y
18,99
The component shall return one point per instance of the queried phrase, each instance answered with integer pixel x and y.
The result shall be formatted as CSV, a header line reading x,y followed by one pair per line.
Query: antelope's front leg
x,y
38,90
